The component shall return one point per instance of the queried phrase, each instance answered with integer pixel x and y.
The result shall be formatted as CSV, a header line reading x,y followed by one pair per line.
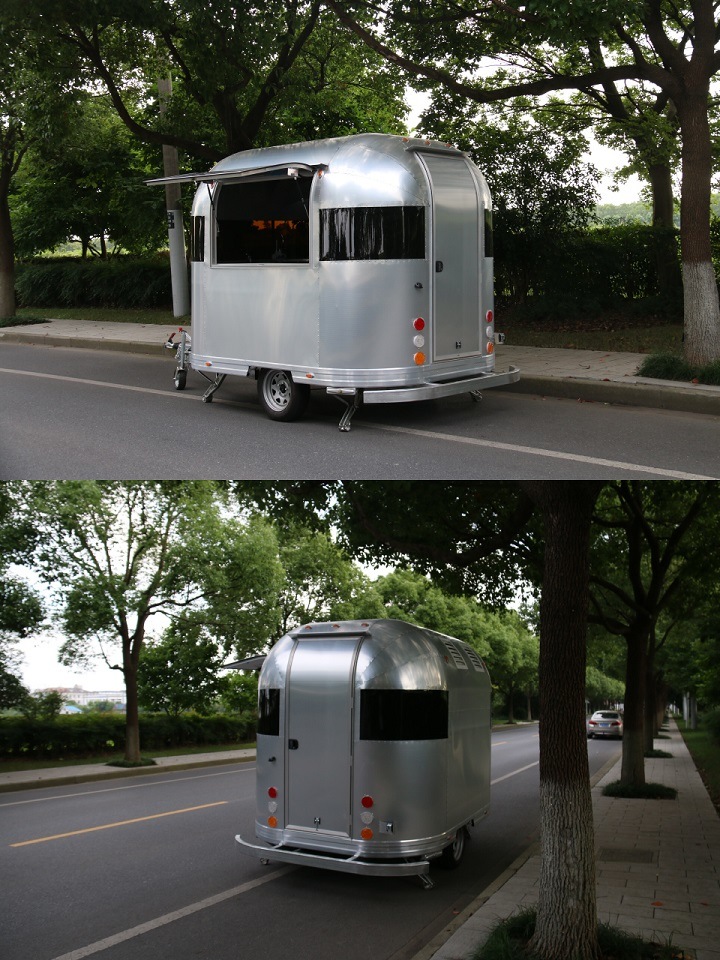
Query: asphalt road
x,y
70,413
149,870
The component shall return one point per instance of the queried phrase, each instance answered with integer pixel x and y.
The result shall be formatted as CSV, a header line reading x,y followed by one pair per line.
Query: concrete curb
x,y
640,392
118,773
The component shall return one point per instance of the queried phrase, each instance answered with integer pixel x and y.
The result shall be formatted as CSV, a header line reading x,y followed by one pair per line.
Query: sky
x,y
40,668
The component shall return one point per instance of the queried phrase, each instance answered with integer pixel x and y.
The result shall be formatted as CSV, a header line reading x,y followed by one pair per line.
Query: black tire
x,y
180,378
281,397
452,855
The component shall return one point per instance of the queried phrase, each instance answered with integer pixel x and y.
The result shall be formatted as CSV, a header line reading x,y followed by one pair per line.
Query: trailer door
x,y
319,730
455,257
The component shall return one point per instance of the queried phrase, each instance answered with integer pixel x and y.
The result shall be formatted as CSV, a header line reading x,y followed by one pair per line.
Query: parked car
x,y
605,723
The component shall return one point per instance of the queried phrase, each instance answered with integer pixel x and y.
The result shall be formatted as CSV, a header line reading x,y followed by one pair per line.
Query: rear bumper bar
x,y
369,868
444,388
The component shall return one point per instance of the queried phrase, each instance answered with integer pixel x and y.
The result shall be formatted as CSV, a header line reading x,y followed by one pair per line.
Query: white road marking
x,y
539,452
143,928
410,431
514,773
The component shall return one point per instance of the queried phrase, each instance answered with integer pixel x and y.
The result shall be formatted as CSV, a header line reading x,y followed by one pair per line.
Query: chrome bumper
x,y
370,868
443,388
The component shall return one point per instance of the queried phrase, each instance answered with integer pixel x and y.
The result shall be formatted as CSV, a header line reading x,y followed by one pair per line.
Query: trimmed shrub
x,y
126,282
100,734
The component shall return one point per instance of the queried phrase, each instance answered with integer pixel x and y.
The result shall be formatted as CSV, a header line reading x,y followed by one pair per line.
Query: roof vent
x,y
474,658
458,658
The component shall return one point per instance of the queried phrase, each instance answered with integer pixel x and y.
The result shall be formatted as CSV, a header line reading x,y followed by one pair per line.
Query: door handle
x,y
293,744
439,266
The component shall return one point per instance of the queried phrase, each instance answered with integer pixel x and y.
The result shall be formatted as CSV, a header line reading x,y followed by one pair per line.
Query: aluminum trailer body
x,y
373,748
360,264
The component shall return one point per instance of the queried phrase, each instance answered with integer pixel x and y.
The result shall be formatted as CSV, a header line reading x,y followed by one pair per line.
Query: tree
x,y
32,104
182,671
21,608
668,46
653,546
281,73
320,580
462,532
118,554
87,186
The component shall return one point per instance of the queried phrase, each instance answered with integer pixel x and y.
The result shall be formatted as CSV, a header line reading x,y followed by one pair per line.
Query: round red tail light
x,y
419,324
367,802
272,792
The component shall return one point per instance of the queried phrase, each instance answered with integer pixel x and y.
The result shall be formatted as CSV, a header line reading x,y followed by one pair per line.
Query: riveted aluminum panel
x,y
367,309
262,314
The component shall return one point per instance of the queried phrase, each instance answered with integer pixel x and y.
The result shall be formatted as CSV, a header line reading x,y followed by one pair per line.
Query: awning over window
x,y
274,172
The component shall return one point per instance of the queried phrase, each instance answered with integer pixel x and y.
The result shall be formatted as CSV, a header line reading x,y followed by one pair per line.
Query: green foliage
x,y
87,186
668,366
181,672
42,706
647,791
73,282
100,734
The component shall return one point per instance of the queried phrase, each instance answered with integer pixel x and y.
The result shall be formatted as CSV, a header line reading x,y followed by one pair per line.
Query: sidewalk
x,y
89,772
588,375
658,868
658,861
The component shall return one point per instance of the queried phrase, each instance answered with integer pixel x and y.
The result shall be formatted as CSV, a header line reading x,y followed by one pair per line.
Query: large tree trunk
x,y
132,717
702,308
7,252
567,912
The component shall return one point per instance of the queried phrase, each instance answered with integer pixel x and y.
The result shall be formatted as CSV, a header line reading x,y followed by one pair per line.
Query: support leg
x,y
350,408
215,385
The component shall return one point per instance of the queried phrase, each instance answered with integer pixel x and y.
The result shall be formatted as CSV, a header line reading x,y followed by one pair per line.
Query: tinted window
x,y
197,239
269,712
488,234
403,714
265,222
372,233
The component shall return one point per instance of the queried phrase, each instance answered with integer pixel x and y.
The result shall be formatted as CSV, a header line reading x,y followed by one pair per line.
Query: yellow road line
x,y
120,823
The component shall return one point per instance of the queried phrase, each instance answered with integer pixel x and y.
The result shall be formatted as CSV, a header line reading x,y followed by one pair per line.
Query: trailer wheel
x,y
280,396
452,855
180,378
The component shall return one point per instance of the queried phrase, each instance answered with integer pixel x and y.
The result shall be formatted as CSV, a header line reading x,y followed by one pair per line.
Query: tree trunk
x,y
633,752
567,913
132,716
7,253
667,265
701,305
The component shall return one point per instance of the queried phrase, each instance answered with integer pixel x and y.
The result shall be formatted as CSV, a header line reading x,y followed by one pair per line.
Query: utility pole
x,y
173,203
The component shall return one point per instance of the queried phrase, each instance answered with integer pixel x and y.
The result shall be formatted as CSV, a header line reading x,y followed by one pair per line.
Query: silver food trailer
x,y
361,264
373,748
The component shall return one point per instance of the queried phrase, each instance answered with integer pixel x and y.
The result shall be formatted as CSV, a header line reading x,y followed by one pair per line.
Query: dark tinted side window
x,y
372,233
269,712
403,714
265,222
197,239
488,234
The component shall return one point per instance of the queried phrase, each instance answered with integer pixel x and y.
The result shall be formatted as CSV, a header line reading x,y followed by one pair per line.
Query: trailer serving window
x,y
403,714
263,222
372,233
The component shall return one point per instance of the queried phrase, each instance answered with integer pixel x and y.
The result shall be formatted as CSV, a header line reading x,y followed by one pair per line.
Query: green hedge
x,y
98,734
126,282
